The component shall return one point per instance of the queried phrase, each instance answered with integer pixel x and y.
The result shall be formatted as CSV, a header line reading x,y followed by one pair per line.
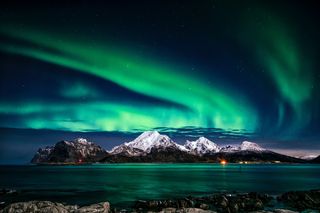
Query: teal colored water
x,y
122,184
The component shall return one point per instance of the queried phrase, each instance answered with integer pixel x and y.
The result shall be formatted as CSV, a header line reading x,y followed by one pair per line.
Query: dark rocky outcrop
x,y
308,201
302,200
316,160
297,201
77,151
185,210
198,210
52,207
218,202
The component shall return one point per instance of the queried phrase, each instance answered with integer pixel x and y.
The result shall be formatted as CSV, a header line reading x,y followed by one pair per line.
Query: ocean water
x,y
122,184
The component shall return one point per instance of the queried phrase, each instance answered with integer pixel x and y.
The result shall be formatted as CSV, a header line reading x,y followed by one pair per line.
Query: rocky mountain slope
x,y
144,143
201,146
77,151
316,160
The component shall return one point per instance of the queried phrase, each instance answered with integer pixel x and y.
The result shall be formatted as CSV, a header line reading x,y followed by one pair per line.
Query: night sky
x,y
227,70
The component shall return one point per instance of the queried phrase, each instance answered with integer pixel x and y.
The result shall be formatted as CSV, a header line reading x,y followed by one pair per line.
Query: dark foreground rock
x,y
302,200
51,207
185,210
315,160
278,211
197,210
219,202
296,201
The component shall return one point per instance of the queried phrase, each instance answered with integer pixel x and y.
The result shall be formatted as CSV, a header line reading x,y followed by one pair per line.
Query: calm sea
x,y
122,184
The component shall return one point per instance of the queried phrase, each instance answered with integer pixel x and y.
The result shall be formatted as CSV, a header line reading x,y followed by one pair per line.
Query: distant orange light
x,y
223,162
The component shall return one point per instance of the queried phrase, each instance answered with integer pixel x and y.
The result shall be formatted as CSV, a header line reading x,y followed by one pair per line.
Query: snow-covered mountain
x,y
201,146
151,146
153,140
306,157
244,146
82,141
145,142
250,146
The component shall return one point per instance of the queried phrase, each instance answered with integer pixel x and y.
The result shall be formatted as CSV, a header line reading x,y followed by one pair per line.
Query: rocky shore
x,y
294,201
297,201
52,207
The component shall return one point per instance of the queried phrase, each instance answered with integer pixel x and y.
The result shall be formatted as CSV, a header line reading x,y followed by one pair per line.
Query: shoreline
x,y
161,163
154,163
292,201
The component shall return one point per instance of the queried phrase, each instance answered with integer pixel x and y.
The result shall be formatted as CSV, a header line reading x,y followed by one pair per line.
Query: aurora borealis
x,y
201,105
249,69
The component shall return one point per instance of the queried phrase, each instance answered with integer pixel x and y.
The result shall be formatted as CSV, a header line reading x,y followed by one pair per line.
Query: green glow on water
x,y
124,183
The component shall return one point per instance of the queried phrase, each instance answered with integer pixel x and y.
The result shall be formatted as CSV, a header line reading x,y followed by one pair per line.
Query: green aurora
x,y
287,63
186,99
205,106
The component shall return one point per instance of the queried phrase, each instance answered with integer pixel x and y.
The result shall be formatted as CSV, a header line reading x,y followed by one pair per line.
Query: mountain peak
x,y
148,135
204,140
250,146
82,141
201,146
151,139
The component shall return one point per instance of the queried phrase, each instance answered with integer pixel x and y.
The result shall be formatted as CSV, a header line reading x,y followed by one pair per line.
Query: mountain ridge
x,y
151,146
150,139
